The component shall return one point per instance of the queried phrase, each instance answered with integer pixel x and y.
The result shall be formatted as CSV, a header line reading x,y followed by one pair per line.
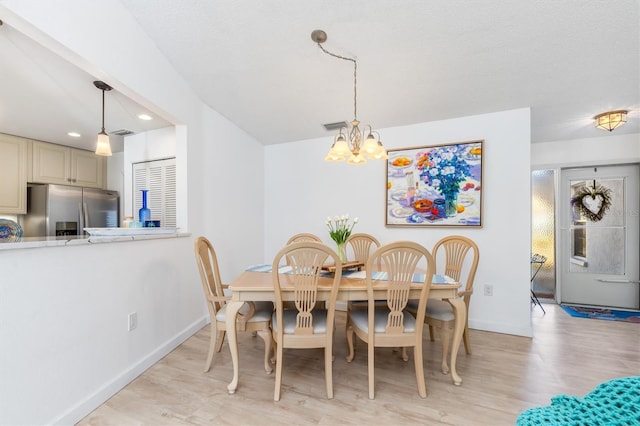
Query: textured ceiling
x,y
253,61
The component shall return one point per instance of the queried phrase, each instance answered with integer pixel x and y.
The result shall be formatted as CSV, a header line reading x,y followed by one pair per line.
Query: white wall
x,y
302,190
63,322
63,311
607,149
233,194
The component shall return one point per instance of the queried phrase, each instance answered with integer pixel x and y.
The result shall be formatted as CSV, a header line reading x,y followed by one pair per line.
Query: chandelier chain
x,y
355,77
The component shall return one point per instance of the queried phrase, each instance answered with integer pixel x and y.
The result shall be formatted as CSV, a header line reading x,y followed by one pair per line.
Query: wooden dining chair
x,y
296,238
393,326
457,254
362,246
253,316
304,236
304,326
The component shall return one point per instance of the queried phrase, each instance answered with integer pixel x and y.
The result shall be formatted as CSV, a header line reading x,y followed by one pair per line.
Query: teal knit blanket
x,y
613,403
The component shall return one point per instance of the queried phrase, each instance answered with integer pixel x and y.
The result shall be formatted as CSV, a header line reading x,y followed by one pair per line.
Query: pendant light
x,y
103,147
349,144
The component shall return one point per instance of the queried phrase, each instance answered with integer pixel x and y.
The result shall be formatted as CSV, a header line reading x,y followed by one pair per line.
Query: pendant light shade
x,y
103,147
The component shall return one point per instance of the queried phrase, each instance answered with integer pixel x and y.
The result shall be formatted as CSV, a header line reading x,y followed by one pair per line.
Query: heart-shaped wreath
x,y
592,202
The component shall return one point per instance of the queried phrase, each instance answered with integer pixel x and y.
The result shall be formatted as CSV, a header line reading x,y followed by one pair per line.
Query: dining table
x,y
256,284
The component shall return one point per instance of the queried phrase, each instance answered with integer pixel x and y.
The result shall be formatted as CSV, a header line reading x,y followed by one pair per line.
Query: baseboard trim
x,y
93,401
501,328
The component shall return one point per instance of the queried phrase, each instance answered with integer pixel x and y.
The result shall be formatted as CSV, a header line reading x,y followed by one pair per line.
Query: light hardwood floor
x,y
504,375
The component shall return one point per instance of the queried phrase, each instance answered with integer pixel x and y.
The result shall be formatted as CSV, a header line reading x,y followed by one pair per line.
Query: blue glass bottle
x,y
439,205
144,213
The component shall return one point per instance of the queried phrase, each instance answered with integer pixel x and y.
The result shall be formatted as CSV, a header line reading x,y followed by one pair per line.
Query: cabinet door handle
x,y
619,281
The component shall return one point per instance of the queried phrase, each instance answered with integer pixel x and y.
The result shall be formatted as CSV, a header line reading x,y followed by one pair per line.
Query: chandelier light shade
x,y
611,120
103,147
350,144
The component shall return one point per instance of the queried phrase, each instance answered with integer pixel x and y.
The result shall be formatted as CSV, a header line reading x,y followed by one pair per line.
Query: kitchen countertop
x,y
79,240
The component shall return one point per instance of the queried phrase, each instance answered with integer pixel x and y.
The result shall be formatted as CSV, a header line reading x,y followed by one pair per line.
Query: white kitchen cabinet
x,y
13,175
67,166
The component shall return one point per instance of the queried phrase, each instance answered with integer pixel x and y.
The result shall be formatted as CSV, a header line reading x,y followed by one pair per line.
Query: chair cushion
x,y
262,313
440,310
360,320
289,320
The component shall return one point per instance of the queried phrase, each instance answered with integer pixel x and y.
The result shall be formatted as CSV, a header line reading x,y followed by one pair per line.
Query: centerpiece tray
x,y
355,264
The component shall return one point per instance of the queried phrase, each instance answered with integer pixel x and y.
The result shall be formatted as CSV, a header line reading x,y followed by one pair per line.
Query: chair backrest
x,y
456,249
402,260
209,274
307,258
304,236
362,246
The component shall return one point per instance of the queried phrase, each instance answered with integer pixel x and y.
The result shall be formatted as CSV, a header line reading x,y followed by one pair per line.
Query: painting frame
x,y
435,185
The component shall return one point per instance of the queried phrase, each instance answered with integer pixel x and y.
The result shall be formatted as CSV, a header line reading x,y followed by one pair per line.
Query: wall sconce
x,y
611,120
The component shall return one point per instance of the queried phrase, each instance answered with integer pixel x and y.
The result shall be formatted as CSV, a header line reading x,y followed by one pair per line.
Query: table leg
x,y
232,336
460,314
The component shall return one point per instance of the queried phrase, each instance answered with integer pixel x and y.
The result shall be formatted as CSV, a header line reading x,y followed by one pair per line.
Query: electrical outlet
x,y
133,321
488,290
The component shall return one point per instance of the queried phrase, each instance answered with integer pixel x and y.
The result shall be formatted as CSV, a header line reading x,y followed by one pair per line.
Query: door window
x,y
597,226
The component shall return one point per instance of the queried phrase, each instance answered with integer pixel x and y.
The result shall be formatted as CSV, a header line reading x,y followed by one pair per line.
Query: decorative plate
x,y
10,231
400,162
399,195
465,200
402,212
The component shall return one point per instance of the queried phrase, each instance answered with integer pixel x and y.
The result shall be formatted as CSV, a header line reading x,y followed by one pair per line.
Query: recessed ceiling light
x,y
145,117
74,134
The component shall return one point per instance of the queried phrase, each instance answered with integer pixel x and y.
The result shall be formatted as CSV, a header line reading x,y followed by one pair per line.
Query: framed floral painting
x,y
439,185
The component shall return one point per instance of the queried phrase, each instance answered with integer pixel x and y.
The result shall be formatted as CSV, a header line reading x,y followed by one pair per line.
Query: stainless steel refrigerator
x,y
60,210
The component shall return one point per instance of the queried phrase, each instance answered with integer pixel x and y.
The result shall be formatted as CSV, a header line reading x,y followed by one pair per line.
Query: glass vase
x,y
342,252
144,213
451,204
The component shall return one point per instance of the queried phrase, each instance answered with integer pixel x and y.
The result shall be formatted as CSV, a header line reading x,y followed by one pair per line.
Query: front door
x,y
599,226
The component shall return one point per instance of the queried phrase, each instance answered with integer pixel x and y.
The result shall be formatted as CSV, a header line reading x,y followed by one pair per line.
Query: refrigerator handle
x,y
81,219
86,216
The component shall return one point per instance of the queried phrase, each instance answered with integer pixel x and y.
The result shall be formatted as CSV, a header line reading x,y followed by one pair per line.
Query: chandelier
x,y
349,144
